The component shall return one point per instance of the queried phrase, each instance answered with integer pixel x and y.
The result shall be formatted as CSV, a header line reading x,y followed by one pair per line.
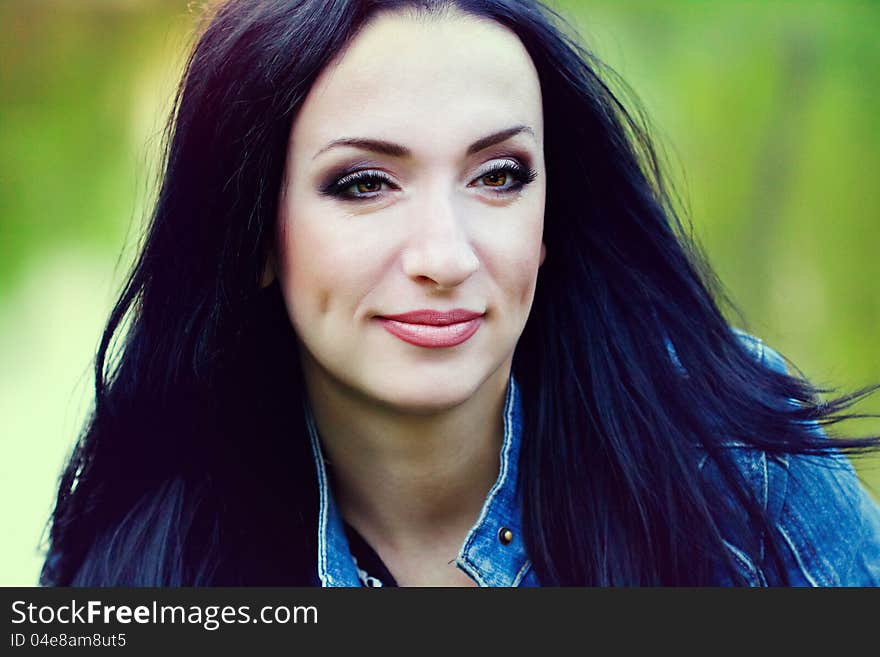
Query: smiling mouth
x,y
434,329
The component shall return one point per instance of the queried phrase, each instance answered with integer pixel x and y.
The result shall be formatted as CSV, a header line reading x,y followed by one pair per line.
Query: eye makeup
x,y
363,184
505,176
501,177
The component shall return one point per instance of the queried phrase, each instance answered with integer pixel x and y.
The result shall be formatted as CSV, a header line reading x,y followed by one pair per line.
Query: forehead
x,y
411,79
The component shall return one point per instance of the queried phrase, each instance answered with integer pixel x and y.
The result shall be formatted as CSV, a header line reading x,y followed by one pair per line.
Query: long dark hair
x,y
194,466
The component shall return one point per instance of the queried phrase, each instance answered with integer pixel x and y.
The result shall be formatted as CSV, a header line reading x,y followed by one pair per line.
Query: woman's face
x,y
409,231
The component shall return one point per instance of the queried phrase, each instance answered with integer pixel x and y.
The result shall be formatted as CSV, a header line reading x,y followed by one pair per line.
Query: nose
x,y
440,251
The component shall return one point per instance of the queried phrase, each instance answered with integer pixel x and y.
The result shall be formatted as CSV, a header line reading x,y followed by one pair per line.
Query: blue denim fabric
x,y
830,525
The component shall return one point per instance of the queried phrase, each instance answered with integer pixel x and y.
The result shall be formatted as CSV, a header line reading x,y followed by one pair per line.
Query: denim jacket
x,y
830,526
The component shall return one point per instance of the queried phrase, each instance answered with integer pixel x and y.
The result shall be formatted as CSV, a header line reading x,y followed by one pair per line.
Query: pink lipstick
x,y
433,328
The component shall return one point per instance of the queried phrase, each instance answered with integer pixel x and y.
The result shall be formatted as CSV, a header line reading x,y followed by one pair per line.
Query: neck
x,y
410,482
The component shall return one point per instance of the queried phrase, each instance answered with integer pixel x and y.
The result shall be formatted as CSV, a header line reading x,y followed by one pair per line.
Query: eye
x,y
495,179
504,177
359,185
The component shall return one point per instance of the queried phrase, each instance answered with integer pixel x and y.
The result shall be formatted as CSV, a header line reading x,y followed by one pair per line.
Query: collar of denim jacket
x,y
493,553
336,567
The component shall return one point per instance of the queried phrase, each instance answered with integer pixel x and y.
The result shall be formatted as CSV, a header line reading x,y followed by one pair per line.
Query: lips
x,y
433,328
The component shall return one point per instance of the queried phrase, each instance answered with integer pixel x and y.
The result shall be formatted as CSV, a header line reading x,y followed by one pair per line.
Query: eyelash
x,y
338,188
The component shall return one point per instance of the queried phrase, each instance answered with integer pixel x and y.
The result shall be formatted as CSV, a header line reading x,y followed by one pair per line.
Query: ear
x,y
543,254
268,271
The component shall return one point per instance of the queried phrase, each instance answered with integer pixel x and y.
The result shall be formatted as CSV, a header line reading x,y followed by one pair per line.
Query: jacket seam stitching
x,y
744,561
522,573
766,501
464,562
797,557
326,579
471,570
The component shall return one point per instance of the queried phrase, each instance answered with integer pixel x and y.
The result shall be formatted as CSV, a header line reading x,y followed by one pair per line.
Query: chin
x,y
424,397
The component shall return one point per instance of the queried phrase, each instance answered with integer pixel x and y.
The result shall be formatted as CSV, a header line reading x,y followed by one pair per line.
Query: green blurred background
x,y
768,112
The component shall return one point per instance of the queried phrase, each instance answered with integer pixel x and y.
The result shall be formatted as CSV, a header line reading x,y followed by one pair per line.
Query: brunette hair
x,y
194,468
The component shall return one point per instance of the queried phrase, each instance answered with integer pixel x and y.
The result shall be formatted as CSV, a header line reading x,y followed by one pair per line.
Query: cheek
x,y
512,256
526,272
327,262
305,272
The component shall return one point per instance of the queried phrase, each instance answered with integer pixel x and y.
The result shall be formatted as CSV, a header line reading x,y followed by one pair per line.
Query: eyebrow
x,y
396,150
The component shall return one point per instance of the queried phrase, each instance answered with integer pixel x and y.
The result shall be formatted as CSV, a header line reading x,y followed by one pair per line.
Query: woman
x,y
414,309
